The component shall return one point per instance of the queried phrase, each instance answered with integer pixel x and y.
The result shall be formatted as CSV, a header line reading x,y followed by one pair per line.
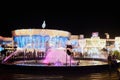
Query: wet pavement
x,y
88,76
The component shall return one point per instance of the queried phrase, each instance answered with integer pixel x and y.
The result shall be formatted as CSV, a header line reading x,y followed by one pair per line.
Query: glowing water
x,y
57,56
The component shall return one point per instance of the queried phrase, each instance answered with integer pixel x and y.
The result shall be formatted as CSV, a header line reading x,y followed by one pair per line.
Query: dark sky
x,y
74,22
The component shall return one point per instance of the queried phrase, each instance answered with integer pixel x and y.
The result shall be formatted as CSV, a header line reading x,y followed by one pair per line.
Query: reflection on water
x,y
88,76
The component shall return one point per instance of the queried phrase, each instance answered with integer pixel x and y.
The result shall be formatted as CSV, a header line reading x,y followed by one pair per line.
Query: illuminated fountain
x,y
48,47
48,44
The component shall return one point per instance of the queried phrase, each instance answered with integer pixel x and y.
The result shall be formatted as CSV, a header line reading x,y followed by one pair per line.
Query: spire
x,y
43,25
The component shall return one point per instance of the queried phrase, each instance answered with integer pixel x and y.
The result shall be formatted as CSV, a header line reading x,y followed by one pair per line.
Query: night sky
x,y
74,22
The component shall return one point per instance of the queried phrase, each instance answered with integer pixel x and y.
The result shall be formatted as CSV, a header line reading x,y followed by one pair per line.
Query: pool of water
x,y
38,63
